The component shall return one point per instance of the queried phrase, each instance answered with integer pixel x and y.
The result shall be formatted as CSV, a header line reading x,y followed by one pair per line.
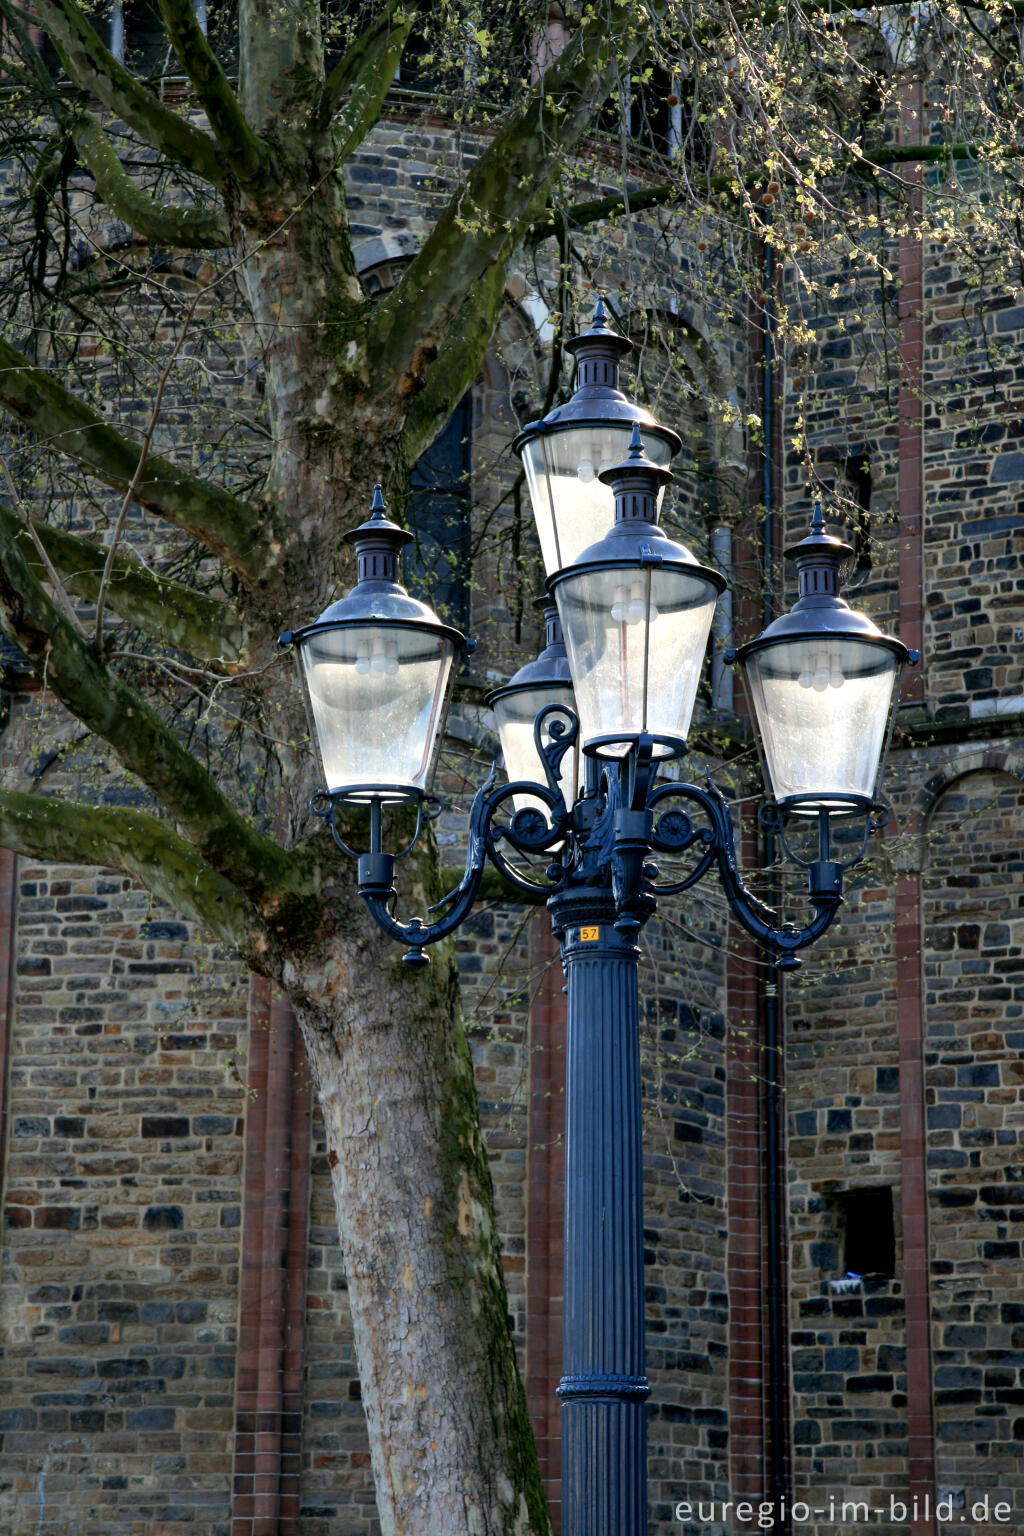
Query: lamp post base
x,y
603,1389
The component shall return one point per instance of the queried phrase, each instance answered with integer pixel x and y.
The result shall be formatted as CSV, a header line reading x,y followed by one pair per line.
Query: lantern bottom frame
x,y
366,794
661,748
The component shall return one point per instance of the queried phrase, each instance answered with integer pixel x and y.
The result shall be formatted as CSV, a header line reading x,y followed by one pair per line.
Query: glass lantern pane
x,y
571,506
636,641
377,693
515,715
822,708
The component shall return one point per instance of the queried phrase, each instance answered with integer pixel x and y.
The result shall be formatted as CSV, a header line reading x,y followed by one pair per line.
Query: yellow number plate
x,y
589,935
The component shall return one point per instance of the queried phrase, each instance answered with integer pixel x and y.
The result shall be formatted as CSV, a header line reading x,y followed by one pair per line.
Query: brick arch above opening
x,y
959,765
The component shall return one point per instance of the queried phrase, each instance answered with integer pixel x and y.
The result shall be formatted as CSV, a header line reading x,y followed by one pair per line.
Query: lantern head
x,y
823,681
377,667
566,454
636,611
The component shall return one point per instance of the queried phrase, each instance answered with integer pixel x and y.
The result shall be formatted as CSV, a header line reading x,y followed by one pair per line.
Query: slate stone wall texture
x,y
903,1036
132,1136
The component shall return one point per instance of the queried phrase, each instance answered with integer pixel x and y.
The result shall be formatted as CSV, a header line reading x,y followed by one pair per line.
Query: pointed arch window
x,y
438,564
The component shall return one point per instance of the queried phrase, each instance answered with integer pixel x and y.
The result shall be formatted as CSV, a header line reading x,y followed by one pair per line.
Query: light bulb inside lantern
x,y
630,604
385,657
585,471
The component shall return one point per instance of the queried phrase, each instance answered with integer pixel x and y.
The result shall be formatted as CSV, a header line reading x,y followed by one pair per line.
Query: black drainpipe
x,y
771,1001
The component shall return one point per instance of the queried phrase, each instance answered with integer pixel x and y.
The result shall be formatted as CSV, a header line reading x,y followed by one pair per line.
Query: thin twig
x,y
59,589
129,495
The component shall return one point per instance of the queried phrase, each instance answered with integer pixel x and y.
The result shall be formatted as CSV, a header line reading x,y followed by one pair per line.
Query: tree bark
x,y
450,1435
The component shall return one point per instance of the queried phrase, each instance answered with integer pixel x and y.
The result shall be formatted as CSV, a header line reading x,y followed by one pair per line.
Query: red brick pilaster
x,y
913,1145
745,1278
546,1206
914,1195
911,405
268,1394
8,906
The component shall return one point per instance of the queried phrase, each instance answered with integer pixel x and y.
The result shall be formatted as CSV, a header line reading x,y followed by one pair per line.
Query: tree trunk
x,y
450,1436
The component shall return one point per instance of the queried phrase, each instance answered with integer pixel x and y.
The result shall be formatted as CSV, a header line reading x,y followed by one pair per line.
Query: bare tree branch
x,y
144,447
26,525
247,155
367,72
501,198
228,527
557,222
458,363
41,827
198,229
94,69
170,612
144,744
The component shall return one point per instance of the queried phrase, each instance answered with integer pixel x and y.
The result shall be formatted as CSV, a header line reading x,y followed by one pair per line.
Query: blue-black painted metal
x,y
602,885
604,1386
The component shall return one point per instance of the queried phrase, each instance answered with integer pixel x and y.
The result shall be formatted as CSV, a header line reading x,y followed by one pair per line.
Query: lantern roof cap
x,y
378,525
820,611
550,667
597,400
378,595
636,468
600,337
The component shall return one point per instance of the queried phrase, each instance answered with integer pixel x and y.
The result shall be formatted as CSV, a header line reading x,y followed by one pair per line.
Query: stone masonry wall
x,y
123,1189
956,844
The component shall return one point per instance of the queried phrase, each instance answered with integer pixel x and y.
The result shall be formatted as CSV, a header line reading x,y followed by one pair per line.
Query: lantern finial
x,y
819,558
598,353
636,482
377,543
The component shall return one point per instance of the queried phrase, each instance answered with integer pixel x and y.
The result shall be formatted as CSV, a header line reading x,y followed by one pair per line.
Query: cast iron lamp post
x,y
636,609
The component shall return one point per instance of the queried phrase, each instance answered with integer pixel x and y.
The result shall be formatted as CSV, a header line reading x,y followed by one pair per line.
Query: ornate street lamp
x,y
636,609
566,453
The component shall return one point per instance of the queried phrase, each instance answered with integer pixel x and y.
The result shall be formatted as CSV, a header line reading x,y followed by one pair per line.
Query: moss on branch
x,y
278,882
61,830
94,69
199,229
228,527
458,363
364,76
190,621
244,151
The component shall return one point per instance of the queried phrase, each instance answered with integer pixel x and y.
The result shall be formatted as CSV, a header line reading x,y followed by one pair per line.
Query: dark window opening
x,y
657,110
869,1232
138,38
437,565
852,486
